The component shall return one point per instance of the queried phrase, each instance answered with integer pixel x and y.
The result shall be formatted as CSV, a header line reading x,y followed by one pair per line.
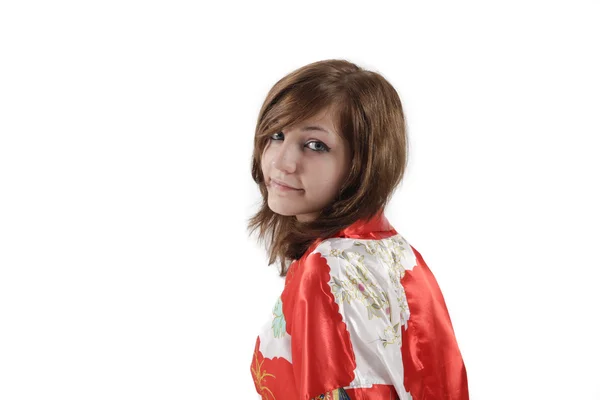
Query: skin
x,y
314,162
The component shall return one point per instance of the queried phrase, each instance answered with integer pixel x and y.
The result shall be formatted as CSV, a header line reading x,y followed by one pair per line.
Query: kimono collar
x,y
377,227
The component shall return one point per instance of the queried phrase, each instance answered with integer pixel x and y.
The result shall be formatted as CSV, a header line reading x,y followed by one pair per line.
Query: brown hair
x,y
369,116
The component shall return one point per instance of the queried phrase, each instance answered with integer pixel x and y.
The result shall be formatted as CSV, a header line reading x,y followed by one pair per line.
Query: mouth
x,y
282,186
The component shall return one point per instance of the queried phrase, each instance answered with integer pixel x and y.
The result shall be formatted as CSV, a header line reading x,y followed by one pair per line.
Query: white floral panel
x,y
365,281
274,340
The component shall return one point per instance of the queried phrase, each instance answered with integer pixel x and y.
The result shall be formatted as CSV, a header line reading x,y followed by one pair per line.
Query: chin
x,y
287,211
285,214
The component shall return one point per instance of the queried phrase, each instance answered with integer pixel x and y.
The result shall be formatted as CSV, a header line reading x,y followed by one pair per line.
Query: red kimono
x,y
361,316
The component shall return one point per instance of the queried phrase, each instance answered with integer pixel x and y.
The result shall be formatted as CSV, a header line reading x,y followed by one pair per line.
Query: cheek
x,y
327,177
265,162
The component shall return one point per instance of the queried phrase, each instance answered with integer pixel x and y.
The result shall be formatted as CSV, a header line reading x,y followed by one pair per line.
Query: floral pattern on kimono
x,y
361,316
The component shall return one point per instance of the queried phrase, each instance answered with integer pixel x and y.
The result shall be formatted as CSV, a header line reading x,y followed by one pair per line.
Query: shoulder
x,y
394,250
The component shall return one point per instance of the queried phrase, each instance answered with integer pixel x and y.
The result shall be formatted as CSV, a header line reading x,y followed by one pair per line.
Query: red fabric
x,y
321,349
377,227
273,378
377,392
433,365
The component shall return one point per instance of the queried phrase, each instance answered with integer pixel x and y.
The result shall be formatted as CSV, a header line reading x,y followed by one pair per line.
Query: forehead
x,y
322,122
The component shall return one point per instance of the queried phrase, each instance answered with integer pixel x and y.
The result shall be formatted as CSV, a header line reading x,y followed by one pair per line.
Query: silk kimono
x,y
360,317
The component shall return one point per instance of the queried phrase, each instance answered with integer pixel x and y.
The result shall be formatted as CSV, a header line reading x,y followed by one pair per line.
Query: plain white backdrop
x,y
126,129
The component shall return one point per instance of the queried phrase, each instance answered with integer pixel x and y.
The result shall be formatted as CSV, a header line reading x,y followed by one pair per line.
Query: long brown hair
x,y
369,115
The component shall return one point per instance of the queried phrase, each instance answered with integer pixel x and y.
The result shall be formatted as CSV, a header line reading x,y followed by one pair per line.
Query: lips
x,y
285,185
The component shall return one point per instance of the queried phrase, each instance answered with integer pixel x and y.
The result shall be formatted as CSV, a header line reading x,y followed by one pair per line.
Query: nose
x,y
286,157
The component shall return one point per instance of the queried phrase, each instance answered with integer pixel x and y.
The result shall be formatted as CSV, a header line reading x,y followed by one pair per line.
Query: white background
x,y
126,130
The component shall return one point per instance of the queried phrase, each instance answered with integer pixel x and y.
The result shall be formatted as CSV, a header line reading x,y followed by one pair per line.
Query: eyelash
x,y
324,150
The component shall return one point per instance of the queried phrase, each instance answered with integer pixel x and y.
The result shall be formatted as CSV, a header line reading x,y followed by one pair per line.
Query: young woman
x,y
361,316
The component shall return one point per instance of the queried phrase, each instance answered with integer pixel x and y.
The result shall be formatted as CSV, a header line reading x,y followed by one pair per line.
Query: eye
x,y
318,146
272,137
314,145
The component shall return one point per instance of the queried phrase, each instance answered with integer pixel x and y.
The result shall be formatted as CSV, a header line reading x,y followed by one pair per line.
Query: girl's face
x,y
312,160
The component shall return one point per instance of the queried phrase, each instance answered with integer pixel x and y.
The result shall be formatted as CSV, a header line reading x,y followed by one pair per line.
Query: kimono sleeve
x,y
434,368
322,355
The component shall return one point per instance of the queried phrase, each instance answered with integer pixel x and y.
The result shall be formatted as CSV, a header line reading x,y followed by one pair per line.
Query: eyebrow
x,y
315,128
